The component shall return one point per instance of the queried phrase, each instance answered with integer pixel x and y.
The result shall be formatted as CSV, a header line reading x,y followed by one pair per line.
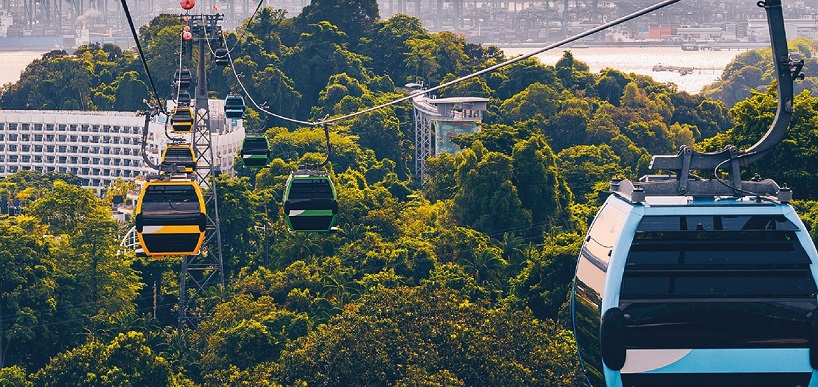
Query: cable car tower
x,y
198,272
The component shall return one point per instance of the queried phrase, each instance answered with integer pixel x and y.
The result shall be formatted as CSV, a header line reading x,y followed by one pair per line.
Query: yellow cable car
x,y
170,218
182,120
180,155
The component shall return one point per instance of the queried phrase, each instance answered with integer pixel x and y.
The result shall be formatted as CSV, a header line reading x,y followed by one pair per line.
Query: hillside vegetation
x,y
463,283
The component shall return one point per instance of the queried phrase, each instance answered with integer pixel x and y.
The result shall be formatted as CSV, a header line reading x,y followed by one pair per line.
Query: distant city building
x,y
99,147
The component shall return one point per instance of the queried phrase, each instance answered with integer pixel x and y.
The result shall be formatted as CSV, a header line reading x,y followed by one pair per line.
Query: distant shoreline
x,y
646,44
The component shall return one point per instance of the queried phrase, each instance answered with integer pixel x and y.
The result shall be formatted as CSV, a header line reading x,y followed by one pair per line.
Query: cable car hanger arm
x,y
786,71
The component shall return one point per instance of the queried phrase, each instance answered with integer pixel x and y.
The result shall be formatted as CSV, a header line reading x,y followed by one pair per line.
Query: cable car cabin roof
x,y
170,218
181,155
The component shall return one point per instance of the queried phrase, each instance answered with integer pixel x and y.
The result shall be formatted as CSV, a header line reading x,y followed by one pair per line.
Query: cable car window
x,y
310,189
170,200
734,282
716,223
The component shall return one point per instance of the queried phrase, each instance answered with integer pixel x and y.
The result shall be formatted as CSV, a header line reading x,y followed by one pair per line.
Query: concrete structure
x,y
439,120
98,147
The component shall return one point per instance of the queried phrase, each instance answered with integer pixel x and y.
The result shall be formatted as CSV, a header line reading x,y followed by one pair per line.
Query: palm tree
x,y
484,266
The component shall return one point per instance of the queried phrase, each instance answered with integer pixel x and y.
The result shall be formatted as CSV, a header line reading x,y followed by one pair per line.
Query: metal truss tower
x,y
203,270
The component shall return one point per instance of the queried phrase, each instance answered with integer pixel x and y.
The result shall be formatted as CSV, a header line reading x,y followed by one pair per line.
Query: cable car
x,y
182,119
183,99
692,281
183,78
255,151
310,202
170,218
180,155
234,106
686,290
221,57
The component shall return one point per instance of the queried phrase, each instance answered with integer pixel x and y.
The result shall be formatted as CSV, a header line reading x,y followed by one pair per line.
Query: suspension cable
x,y
250,97
142,56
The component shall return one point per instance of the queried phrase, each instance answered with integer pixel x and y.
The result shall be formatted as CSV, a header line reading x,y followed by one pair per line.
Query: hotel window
x,y
38,137
49,126
2,147
74,170
12,148
13,158
13,126
2,136
38,148
62,127
72,127
26,148
61,138
12,137
2,125
62,169
49,148
49,138
85,127
95,128
38,126
26,126
25,137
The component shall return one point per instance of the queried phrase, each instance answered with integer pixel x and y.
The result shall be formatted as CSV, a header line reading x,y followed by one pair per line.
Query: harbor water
x,y
707,65
12,64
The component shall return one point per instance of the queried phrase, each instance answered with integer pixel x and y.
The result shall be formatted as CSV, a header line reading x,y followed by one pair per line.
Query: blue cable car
x,y
234,106
691,281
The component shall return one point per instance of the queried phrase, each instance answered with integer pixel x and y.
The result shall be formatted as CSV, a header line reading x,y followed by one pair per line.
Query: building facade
x,y
98,147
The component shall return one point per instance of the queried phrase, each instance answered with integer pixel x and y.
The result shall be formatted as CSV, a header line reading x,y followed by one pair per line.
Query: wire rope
x,y
250,97
142,55
512,60
578,36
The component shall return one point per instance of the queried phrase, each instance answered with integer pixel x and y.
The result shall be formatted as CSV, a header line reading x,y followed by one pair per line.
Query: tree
x,y
353,17
397,333
486,199
126,360
27,299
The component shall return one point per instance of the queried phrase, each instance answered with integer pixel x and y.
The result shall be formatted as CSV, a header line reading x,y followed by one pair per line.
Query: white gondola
x,y
688,281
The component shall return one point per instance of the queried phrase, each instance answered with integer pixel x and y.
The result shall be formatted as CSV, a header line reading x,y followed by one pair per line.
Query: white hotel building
x,y
100,147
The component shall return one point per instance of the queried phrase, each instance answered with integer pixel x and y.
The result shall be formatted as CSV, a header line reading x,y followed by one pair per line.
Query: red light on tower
x,y
187,4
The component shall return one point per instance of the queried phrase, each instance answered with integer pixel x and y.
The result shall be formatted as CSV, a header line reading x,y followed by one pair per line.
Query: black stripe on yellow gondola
x,y
170,218
182,120
180,155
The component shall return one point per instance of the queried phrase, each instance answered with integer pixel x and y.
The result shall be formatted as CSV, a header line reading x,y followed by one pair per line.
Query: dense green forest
x,y
463,283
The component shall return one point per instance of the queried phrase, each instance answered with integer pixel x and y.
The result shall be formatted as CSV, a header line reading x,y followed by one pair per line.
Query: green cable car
x,y
310,202
255,151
